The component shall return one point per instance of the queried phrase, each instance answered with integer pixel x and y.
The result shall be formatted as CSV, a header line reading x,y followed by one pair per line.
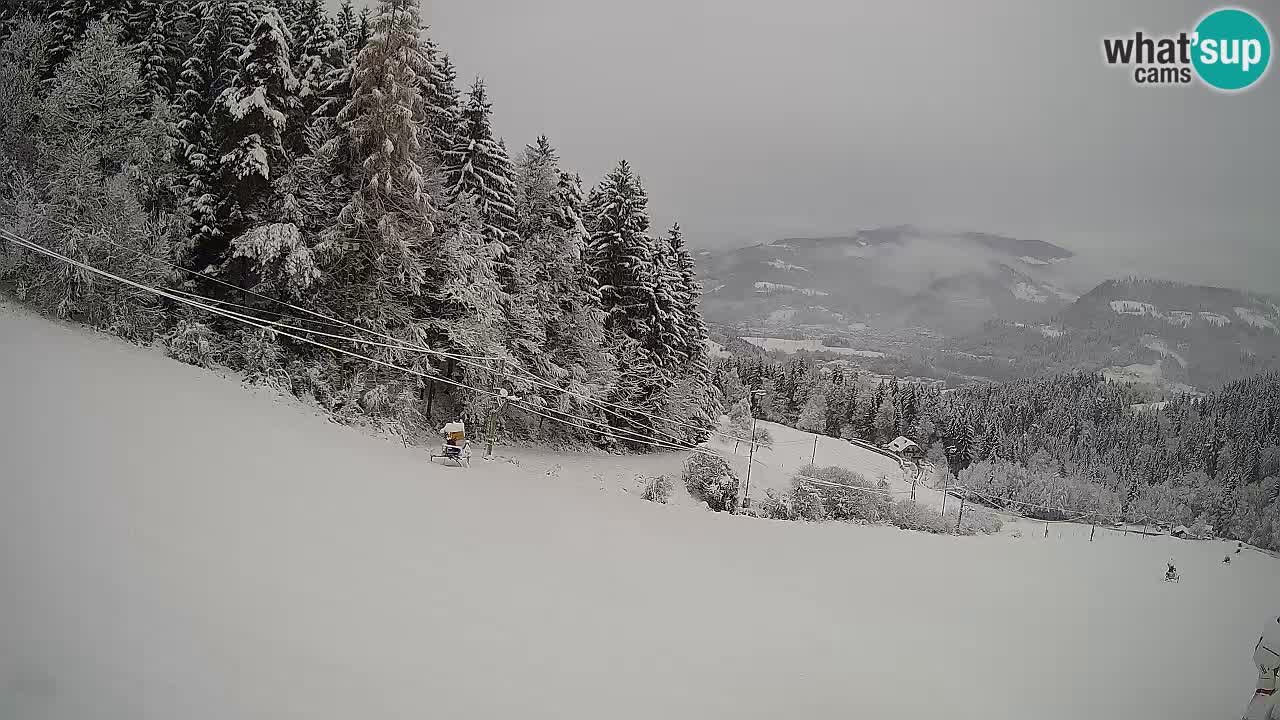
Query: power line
x,y
456,356
282,328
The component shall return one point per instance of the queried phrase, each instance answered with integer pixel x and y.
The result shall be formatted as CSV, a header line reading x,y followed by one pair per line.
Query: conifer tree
x,y
444,114
255,111
160,45
318,51
478,166
620,254
222,32
70,18
376,268
348,26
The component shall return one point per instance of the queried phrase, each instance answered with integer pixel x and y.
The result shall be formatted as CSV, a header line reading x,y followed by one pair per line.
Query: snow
x,y
1181,318
240,104
1161,347
1062,294
175,546
781,316
810,345
1033,260
1215,319
715,349
783,265
1133,307
1028,293
1254,318
769,288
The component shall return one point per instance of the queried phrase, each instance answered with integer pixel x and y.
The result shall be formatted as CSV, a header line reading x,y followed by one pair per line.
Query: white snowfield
x,y
173,545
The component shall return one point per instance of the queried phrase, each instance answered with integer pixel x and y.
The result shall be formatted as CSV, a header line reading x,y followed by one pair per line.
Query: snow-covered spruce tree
x,y
23,56
346,24
441,92
318,51
376,269
555,289
93,131
160,47
254,112
222,32
364,31
621,258
478,166
678,339
465,313
695,336
69,19
667,336
620,255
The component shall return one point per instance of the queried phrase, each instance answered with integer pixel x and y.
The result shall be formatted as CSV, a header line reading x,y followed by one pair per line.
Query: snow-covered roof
x,y
900,443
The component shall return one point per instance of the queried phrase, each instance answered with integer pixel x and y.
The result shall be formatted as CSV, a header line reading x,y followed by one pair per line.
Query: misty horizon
x,y
971,144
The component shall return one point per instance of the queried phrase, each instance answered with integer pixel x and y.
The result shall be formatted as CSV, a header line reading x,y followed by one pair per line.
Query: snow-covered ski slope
x,y
173,545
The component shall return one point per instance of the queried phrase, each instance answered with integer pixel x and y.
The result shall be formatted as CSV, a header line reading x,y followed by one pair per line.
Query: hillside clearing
x,y
173,545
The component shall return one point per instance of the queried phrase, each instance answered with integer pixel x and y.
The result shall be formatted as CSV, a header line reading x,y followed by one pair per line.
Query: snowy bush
x,y
845,495
194,343
975,521
807,504
910,515
313,377
763,438
774,506
710,479
282,259
257,353
656,489
980,522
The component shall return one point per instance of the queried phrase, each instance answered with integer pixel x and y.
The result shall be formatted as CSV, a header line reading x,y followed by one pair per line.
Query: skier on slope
x,y
1266,655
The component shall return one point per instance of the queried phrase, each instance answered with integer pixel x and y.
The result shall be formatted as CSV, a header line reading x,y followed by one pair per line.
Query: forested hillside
x,y
268,153
1054,447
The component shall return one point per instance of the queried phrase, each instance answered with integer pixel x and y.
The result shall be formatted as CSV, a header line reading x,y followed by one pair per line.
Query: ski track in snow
x,y
173,545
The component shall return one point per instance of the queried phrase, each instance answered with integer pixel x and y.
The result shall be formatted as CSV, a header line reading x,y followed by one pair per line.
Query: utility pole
x,y
751,455
960,517
945,480
813,459
494,409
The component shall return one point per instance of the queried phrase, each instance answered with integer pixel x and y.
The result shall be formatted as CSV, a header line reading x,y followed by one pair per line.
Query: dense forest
x,y
1053,447
257,154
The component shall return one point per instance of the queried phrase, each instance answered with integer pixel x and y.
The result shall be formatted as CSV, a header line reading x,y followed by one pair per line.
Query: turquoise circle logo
x,y
1232,49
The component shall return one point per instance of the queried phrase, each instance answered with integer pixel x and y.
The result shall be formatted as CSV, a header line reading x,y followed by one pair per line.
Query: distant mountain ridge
x,y
889,277
1177,336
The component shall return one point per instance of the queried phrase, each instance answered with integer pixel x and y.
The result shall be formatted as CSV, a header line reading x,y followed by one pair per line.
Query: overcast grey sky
x,y
756,119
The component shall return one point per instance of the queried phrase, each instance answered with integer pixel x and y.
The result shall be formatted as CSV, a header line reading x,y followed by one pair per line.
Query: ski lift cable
x,y
333,320
274,327
625,408
253,322
342,323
